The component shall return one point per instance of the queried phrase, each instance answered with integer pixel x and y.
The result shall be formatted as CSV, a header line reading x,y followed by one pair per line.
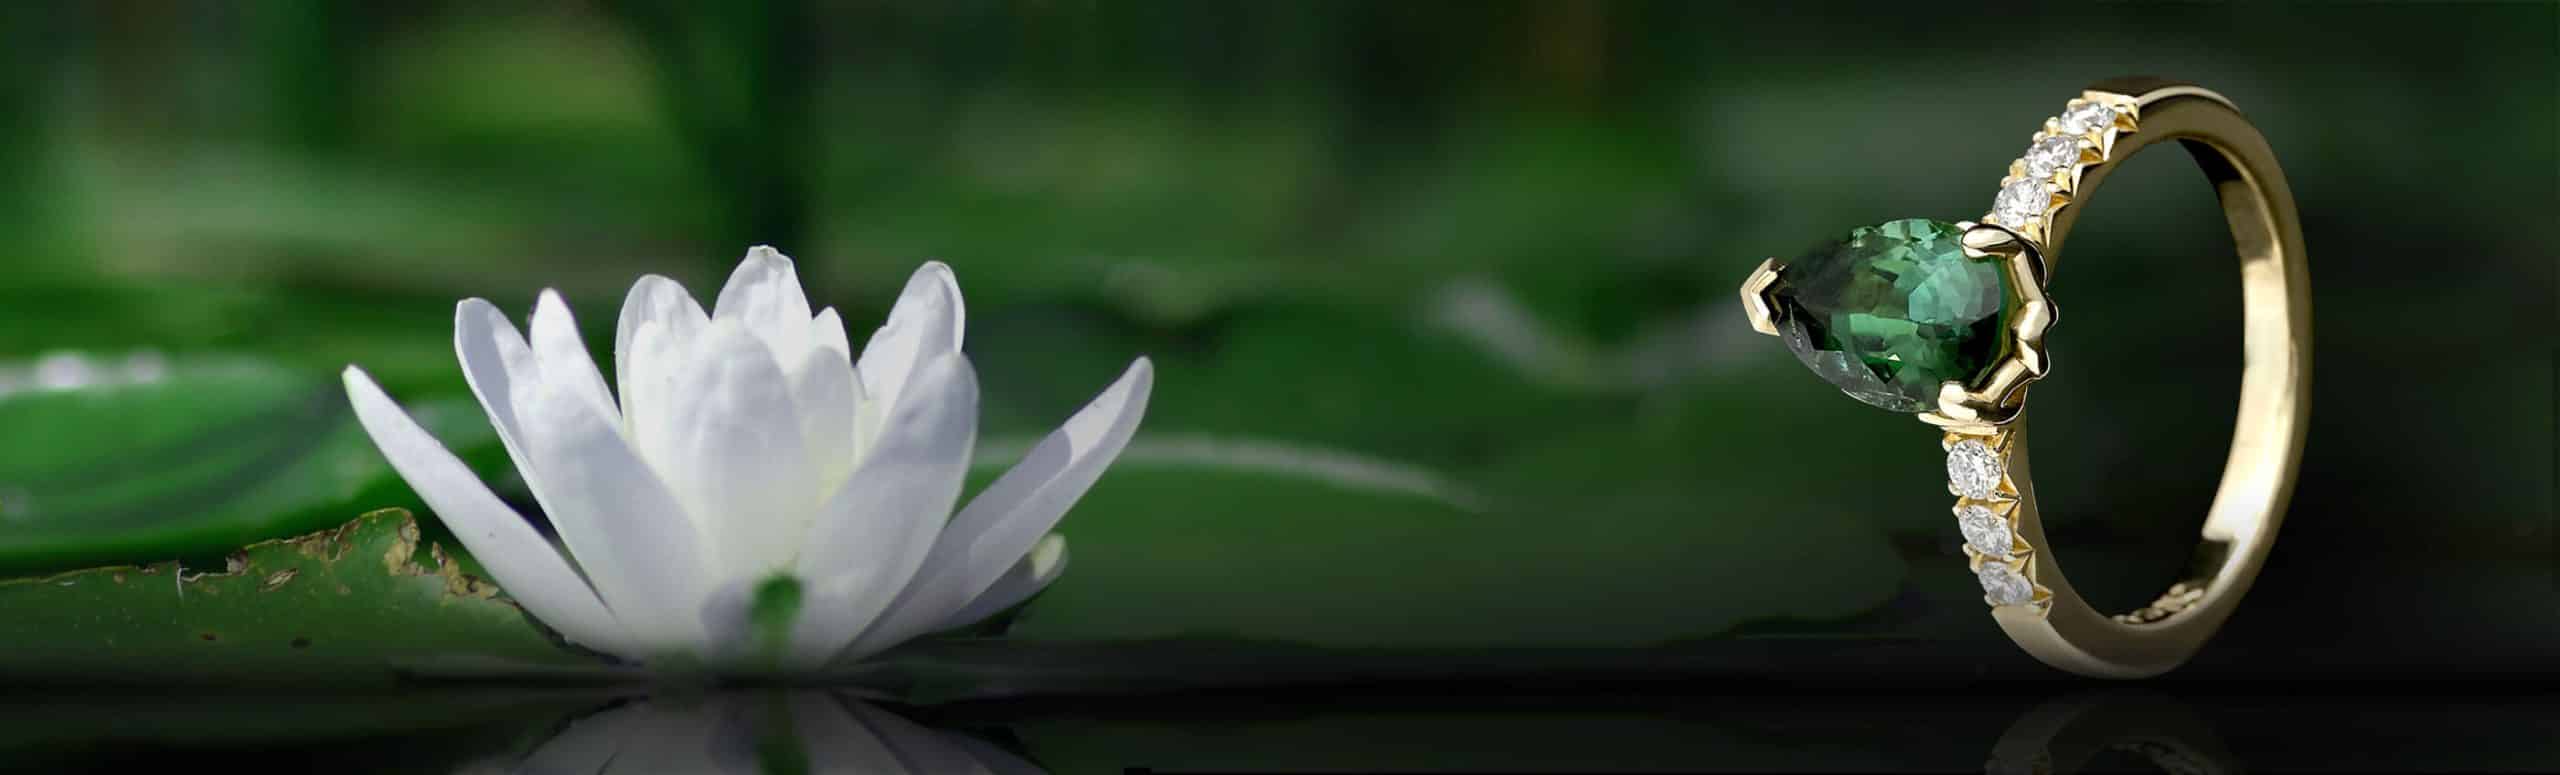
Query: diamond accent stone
x,y
2001,585
2086,118
2021,200
1985,531
2051,155
1973,469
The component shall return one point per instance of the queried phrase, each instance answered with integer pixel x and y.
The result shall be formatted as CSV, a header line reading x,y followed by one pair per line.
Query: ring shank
x,y
2266,445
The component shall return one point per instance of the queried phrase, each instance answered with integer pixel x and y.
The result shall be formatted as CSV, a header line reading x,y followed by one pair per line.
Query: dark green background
x,y
1496,243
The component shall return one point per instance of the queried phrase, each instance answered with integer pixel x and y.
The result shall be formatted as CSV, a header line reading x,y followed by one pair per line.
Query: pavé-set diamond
x,y
1973,469
1975,472
2043,181
1985,531
2052,155
2085,117
2001,585
2021,201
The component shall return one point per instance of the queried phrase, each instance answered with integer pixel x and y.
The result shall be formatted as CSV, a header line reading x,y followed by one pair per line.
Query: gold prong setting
x,y
1756,303
1986,515
2038,186
1999,393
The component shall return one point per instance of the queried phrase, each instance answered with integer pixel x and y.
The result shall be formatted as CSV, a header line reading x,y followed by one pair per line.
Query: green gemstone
x,y
1893,310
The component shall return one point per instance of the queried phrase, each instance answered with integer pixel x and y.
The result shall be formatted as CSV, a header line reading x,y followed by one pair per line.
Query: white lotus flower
x,y
750,444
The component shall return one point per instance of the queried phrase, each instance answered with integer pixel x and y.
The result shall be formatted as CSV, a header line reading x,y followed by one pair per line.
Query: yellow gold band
x,y
2057,625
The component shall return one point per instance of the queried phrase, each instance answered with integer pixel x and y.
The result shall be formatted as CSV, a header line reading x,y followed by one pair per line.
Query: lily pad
x,y
354,605
138,458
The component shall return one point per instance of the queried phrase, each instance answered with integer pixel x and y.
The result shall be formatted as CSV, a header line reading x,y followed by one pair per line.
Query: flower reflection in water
x,y
757,732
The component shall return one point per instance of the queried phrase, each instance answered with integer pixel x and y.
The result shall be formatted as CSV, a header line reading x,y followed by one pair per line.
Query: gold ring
x,y
1947,321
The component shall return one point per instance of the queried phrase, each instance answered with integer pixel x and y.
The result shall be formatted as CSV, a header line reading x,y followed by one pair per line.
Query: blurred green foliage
x,y
1495,243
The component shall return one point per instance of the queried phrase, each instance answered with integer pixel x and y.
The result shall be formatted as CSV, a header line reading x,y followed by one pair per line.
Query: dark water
x,y
1474,728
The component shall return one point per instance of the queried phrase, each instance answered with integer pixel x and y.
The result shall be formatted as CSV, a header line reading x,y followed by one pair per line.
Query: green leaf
x,y
360,604
156,459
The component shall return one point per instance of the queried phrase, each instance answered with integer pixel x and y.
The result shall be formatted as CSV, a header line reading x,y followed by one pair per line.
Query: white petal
x,y
1045,563
524,563
860,418
654,299
829,398
563,357
652,409
835,742
1001,525
832,613
922,749
621,522
504,372
495,359
728,624
927,321
736,454
587,745
764,293
876,530
663,734
674,735
827,330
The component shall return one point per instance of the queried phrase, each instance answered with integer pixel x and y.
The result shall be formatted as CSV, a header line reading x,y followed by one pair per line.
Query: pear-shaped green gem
x,y
1893,310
